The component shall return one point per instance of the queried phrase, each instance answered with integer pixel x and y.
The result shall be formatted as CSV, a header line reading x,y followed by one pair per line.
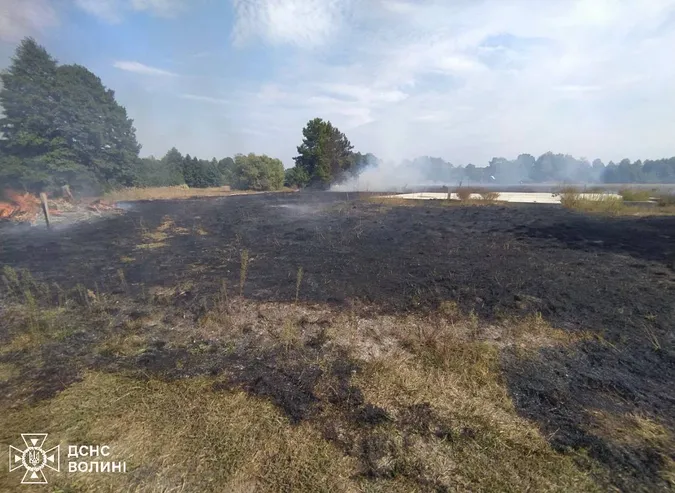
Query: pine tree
x,y
95,128
325,153
61,125
30,103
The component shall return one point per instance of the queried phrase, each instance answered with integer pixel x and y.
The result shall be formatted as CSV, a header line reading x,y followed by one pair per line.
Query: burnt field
x,y
419,347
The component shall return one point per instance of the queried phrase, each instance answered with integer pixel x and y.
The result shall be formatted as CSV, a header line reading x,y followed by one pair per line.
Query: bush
x,y
633,195
599,202
464,193
296,177
489,196
257,172
570,197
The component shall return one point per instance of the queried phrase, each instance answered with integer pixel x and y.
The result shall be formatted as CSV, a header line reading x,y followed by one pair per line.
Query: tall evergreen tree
x,y
94,128
165,172
225,167
325,153
61,125
30,102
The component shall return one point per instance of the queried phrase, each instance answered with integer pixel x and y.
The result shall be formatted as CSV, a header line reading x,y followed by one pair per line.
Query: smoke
x,y
390,176
433,172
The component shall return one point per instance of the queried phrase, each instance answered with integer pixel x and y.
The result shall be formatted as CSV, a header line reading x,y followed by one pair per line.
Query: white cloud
x,y
305,23
108,10
467,80
19,18
140,68
205,99
399,7
164,8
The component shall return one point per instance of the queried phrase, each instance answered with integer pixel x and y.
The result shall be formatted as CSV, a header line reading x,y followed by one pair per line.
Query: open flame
x,y
18,206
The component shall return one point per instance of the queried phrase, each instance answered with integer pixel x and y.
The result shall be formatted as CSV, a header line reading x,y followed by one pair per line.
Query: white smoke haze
x,y
426,172
388,177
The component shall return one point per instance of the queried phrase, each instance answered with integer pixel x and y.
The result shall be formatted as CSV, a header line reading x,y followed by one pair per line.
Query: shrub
x,y
633,195
599,202
489,196
464,193
570,197
607,204
257,172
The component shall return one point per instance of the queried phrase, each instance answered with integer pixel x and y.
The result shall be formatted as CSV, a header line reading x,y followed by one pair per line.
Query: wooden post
x,y
45,207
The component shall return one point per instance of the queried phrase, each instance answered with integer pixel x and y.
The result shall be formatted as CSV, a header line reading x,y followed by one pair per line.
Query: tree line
x,y
547,168
60,125
243,172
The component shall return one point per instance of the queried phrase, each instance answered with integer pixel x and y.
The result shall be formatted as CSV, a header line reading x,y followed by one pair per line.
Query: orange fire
x,y
18,205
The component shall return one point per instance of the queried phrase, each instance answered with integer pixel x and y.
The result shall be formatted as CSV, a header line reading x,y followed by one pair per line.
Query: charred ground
x,y
608,283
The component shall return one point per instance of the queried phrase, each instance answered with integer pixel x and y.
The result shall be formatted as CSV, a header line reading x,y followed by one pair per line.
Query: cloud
x,y
140,68
306,23
468,80
113,11
465,80
108,10
205,99
19,18
163,8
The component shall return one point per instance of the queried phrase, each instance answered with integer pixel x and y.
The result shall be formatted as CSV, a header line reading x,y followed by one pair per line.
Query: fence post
x,y
45,208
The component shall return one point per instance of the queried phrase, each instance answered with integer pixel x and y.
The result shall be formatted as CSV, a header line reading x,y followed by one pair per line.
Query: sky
x,y
465,80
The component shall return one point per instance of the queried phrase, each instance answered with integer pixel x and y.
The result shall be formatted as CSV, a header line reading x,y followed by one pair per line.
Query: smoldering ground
x,y
150,286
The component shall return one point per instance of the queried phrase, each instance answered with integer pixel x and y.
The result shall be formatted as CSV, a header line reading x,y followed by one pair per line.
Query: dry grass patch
x,y
23,341
451,421
636,432
169,227
199,230
635,195
388,202
151,246
468,434
661,210
181,436
475,194
666,200
157,238
596,203
122,345
409,403
611,205
167,193
29,326
600,203
630,429
8,372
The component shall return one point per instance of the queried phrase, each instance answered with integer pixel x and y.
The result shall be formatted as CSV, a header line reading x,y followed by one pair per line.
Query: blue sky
x,y
465,80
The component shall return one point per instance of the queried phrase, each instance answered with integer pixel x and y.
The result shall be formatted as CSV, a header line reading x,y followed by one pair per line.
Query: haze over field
x,y
465,81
